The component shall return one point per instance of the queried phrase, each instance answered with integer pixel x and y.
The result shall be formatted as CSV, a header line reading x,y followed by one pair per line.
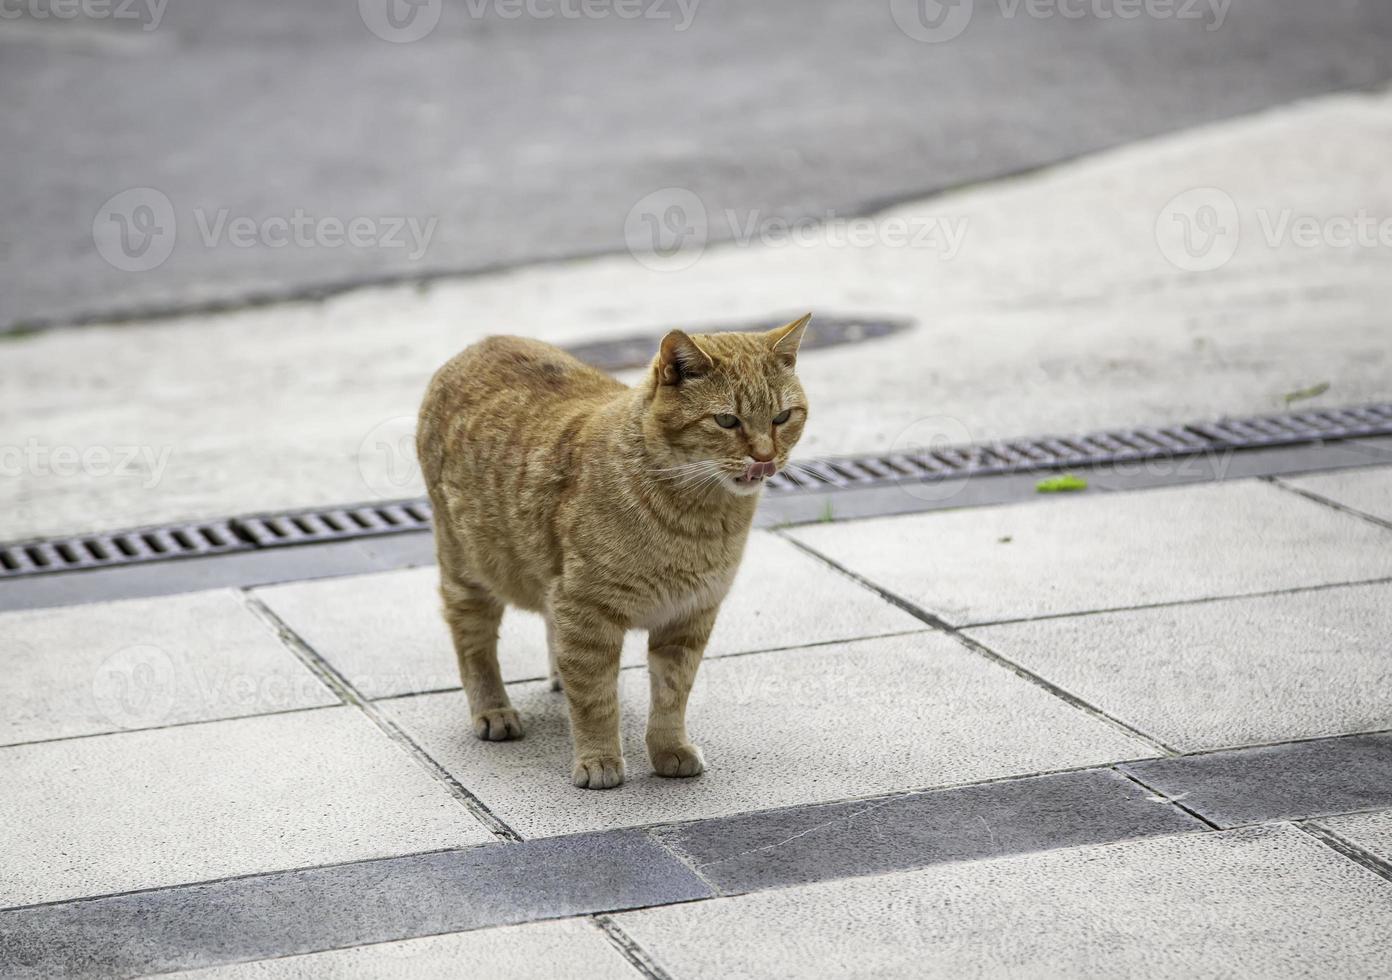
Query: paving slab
x,y
571,949
1229,673
1091,552
1365,490
1370,831
774,848
312,910
1278,782
1267,902
143,809
143,663
798,726
386,634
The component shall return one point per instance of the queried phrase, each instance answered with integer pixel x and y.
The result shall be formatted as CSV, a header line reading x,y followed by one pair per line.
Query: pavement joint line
x,y
1198,753
979,648
351,696
1327,502
682,856
1167,798
1346,848
639,958
177,724
1176,603
247,876
643,666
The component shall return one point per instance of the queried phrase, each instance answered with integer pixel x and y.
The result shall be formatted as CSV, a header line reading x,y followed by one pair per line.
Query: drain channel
x,y
319,525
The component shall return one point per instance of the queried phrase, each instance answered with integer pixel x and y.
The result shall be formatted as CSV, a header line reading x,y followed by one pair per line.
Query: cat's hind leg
x,y
473,614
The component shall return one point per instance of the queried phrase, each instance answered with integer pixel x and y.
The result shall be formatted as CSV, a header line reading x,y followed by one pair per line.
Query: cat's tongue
x,y
758,471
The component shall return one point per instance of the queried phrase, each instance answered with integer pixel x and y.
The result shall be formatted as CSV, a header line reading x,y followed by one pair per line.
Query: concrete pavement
x,y
1175,755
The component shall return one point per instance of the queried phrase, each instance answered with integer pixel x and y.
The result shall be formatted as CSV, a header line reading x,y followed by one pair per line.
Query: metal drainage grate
x,y
1097,448
827,331
848,472
314,526
197,540
119,548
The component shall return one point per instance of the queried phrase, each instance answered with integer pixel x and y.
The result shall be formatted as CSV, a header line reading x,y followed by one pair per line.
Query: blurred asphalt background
x,y
531,138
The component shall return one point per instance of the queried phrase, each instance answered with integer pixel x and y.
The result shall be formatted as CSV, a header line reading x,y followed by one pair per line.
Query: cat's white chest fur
x,y
708,590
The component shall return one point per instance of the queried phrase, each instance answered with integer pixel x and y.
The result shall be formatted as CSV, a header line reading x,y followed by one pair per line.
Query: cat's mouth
x,y
753,477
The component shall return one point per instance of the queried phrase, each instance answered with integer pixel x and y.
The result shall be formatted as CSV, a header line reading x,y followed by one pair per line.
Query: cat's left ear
x,y
785,341
681,359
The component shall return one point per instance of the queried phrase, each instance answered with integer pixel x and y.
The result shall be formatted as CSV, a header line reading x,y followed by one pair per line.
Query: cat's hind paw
x,y
598,772
679,762
498,725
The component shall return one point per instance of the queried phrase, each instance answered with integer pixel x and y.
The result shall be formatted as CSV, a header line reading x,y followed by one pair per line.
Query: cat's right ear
x,y
681,359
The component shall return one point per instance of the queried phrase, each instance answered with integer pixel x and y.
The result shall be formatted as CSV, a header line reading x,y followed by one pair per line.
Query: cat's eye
x,y
727,421
783,416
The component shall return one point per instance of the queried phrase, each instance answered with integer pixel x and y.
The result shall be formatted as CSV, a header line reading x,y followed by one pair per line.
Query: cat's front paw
x,y
498,725
598,772
679,762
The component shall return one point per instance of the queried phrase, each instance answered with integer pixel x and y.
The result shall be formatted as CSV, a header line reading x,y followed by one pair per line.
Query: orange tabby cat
x,y
605,508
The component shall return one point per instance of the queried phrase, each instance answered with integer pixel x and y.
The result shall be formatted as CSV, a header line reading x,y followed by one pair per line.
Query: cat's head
x,y
727,408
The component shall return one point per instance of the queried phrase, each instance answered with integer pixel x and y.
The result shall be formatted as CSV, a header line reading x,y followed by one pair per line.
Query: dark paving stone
x,y
765,850
327,908
1278,782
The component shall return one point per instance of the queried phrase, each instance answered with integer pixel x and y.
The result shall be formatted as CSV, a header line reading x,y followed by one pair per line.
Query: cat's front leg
x,y
588,642
674,655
